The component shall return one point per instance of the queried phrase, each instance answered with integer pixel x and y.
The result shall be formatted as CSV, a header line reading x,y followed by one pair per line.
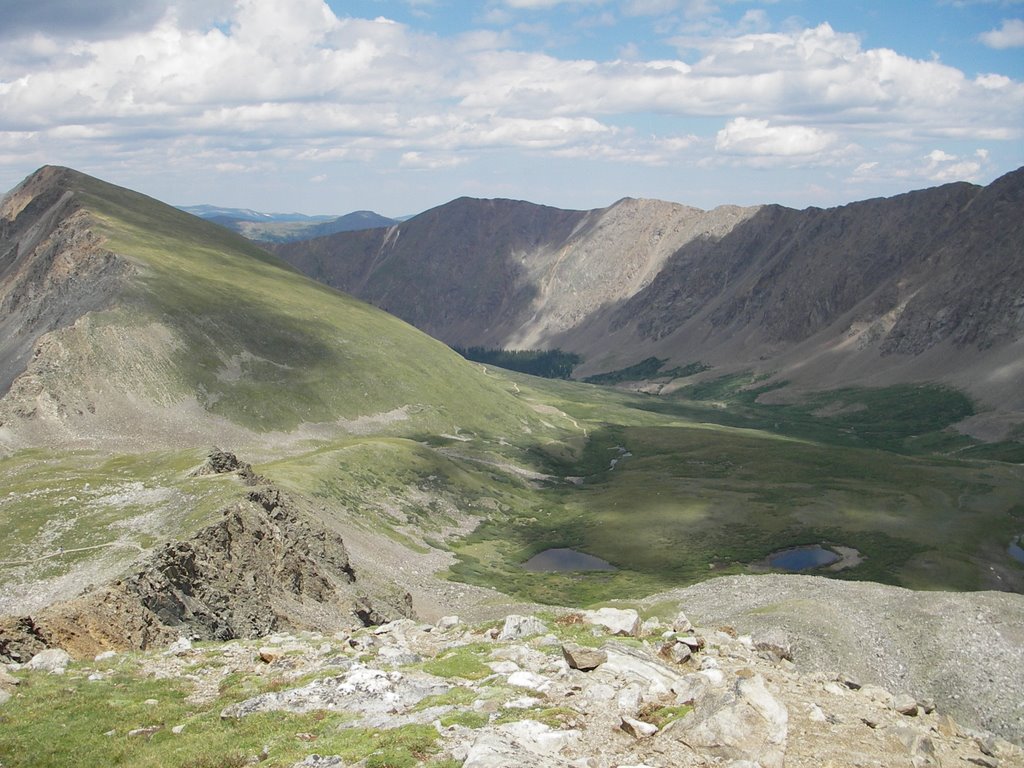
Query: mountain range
x,y
924,286
285,227
147,355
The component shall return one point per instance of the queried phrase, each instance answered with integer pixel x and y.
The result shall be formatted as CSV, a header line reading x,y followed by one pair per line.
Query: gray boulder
x,y
744,722
518,627
582,657
52,660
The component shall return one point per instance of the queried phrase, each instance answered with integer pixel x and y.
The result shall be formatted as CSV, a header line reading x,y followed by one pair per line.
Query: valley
x,y
199,441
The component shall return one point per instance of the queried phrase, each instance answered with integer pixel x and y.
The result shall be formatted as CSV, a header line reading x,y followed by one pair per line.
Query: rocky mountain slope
x,y
591,689
925,286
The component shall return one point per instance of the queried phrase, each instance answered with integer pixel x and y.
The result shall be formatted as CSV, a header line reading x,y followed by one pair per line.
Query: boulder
x,y
448,622
617,621
525,742
518,627
529,680
681,624
744,722
582,657
774,643
638,729
905,704
52,660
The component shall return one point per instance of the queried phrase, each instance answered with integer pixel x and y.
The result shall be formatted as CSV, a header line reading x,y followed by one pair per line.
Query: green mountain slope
x,y
203,323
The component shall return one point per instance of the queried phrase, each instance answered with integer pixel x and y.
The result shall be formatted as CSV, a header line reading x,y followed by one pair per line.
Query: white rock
x,y
681,624
714,676
518,627
523,743
877,694
503,667
618,621
743,723
52,660
448,622
180,647
4,697
816,715
105,655
638,728
177,729
630,698
658,678
650,626
530,680
523,702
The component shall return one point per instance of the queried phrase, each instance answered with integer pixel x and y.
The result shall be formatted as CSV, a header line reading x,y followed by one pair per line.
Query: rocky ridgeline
x,y
594,689
269,563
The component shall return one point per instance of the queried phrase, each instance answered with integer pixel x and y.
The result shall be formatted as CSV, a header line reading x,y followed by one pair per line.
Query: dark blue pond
x,y
1015,550
802,558
562,559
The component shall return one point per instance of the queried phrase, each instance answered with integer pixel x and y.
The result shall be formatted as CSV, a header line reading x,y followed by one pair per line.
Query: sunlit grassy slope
x,y
268,348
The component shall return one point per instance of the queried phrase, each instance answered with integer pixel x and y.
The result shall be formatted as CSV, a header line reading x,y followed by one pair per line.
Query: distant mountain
x,y
212,212
925,286
286,227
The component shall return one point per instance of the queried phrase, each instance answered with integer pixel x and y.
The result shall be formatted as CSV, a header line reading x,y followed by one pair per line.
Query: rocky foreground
x,y
591,689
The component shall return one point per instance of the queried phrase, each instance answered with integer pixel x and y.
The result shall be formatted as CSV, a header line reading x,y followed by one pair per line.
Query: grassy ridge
x,y
271,349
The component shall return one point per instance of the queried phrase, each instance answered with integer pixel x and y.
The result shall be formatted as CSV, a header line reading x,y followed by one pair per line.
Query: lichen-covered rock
x,y
52,660
743,722
617,621
517,627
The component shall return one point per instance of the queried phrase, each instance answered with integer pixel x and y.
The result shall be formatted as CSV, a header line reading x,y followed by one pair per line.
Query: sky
x,y
397,106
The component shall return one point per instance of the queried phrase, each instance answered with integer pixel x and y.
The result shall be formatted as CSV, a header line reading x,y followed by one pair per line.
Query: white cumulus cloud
x,y
1010,34
745,136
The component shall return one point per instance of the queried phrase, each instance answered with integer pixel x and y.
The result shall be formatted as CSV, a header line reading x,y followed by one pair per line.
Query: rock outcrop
x,y
267,564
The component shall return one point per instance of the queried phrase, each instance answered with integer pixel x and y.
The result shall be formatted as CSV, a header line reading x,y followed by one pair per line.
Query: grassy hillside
x,y
265,347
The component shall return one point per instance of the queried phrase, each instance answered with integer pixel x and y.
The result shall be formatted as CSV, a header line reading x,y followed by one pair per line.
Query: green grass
x,y
464,662
710,490
86,501
65,720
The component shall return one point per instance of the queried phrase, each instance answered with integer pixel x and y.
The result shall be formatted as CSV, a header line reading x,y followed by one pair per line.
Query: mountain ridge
x,y
923,286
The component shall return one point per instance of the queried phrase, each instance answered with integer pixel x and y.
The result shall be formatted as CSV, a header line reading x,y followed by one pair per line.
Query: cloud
x,y
937,166
426,162
1010,34
744,136
277,83
545,4
103,19
944,167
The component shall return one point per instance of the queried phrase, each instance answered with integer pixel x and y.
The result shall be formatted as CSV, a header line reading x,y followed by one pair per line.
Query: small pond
x,y
1016,550
564,559
802,558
